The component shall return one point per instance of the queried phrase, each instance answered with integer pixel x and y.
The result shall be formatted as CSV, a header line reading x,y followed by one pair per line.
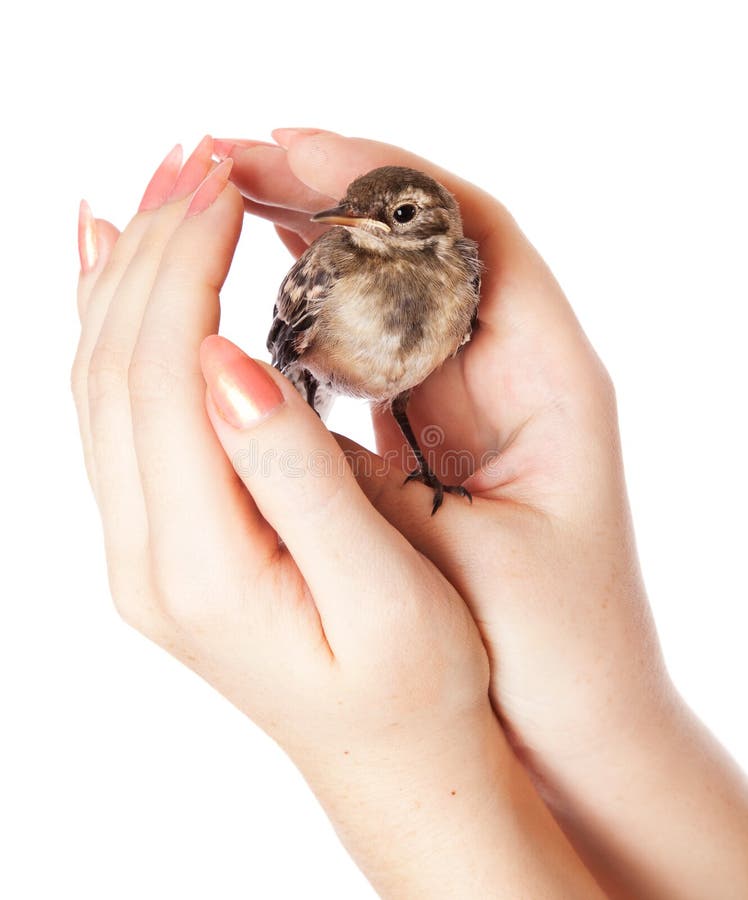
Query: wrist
x,y
639,805
447,814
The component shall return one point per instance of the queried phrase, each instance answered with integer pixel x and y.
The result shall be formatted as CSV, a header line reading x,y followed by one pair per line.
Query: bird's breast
x,y
384,330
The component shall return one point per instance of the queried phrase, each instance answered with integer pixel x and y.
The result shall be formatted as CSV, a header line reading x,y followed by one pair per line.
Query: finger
x,y
289,219
120,297
295,244
96,239
327,163
225,147
186,479
194,170
109,436
102,267
519,292
304,488
118,489
162,184
262,174
158,190
97,292
270,190
108,336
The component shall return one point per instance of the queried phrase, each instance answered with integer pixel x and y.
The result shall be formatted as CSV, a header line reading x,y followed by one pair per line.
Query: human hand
x,y
547,545
342,641
545,557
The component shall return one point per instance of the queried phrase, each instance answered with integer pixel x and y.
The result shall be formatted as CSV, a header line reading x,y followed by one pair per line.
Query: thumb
x,y
300,480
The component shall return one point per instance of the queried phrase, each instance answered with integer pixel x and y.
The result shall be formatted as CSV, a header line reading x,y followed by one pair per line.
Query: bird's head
x,y
396,208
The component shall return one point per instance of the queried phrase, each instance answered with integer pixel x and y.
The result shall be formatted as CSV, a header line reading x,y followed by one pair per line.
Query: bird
x,y
380,300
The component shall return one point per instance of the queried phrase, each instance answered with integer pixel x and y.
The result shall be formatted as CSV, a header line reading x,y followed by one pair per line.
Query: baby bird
x,y
380,301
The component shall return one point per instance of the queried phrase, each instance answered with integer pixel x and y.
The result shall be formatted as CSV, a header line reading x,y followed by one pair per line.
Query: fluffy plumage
x,y
375,305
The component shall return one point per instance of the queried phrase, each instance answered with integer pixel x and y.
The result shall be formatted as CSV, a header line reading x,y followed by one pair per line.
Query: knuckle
x,y
136,597
152,379
106,371
129,611
132,599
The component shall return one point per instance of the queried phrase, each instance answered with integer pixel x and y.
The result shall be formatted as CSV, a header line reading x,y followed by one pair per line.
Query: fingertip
x,y
210,188
195,169
208,347
96,239
315,159
224,147
88,249
106,236
285,136
216,352
162,181
241,389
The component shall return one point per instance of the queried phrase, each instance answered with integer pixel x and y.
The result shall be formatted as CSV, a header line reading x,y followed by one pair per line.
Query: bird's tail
x,y
319,396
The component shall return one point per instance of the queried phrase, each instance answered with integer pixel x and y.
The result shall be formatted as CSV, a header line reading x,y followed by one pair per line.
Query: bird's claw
x,y
430,480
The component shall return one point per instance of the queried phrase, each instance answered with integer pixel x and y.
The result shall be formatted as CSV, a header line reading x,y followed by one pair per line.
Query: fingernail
x,y
223,147
87,241
211,187
163,180
284,136
194,170
241,391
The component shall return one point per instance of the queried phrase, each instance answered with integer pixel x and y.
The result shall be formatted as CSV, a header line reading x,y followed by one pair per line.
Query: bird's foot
x,y
427,477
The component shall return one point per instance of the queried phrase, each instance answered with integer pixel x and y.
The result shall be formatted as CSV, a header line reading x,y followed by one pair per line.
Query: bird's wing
x,y
301,294
469,253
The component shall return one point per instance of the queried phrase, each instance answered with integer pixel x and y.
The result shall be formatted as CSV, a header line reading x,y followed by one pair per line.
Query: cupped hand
x,y
238,539
525,415
545,556
273,564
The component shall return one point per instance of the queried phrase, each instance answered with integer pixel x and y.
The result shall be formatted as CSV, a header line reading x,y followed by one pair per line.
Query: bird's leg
x,y
423,473
311,384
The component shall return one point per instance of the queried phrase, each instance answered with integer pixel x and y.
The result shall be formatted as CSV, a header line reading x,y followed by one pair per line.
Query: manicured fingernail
x,y
284,136
163,180
223,147
87,241
194,170
209,190
241,390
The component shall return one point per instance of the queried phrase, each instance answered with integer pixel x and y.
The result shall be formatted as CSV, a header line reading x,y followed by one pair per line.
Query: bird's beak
x,y
341,215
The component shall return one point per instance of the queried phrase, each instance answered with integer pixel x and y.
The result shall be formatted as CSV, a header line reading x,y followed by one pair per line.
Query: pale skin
x,y
437,677
545,557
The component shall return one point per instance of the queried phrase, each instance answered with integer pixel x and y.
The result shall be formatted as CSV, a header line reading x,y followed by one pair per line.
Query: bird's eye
x,y
404,213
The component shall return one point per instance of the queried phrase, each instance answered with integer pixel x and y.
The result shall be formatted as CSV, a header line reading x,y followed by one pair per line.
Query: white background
x,y
616,135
